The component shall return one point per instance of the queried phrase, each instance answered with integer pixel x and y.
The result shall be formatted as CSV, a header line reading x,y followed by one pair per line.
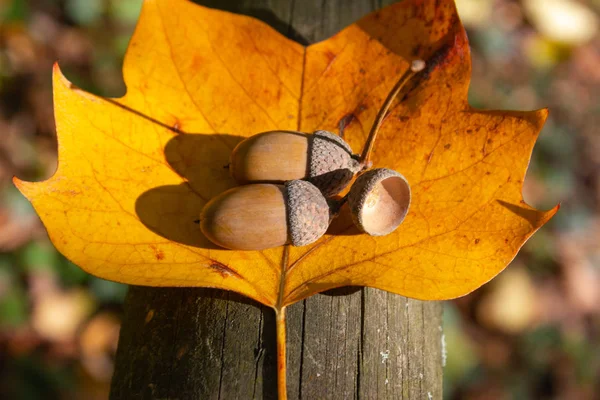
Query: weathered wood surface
x,y
347,344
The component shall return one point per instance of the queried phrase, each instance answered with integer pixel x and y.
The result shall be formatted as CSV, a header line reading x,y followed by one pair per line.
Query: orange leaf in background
x,y
135,172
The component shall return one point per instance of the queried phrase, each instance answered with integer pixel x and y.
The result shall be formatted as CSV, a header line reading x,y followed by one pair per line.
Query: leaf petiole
x,y
281,354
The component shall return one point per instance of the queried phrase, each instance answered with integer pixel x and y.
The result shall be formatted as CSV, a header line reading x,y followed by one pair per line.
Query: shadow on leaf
x,y
342,225
533,217
172,211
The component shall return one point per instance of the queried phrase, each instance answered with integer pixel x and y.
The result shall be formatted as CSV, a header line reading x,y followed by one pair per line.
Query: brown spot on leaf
x,y
330,56
158,253
224,270
447,146
477,241
197,62
440,58
177,126
344,122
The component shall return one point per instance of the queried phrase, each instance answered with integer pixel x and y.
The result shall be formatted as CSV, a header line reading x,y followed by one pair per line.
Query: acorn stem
x,y
281,354
416,66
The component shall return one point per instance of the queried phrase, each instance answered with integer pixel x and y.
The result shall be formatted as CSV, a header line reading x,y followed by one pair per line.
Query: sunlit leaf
x,y
135,172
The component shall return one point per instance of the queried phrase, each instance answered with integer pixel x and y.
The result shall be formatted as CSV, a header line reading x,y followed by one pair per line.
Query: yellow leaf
x,y
135,172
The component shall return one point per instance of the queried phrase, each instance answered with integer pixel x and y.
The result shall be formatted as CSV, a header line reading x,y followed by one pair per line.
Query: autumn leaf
x,y
135,172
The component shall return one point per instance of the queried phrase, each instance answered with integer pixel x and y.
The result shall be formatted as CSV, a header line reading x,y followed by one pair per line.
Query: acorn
x,y
379,201
322,158
262,216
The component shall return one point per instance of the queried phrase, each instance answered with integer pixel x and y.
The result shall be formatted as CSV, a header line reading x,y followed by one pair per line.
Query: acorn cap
x,y
379,201
307,212
331,165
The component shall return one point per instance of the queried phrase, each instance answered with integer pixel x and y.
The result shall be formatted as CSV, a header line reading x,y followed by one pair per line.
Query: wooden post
x,y
182,343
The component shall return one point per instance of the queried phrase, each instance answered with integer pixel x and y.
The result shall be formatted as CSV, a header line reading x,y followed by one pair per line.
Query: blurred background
x,y
532,333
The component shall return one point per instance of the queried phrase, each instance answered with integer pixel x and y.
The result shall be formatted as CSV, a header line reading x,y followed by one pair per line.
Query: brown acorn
x,y
322,158
261,216
379,201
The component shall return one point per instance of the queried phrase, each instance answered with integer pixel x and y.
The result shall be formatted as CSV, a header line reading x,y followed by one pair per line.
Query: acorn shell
x,y
379,201
332,165
322,158
262,216
308,212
